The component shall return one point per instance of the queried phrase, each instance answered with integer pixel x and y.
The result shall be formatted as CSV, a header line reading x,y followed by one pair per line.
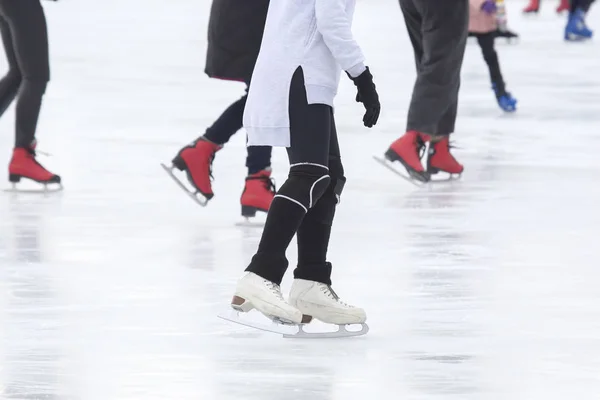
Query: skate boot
x,y
255,292
196,161
533,7
563,6
258,193
441,160
505,100
576,29
318,300
408,150
24,165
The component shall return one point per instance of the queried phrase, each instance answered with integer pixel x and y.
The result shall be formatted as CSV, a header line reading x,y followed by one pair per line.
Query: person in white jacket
x,y
305,47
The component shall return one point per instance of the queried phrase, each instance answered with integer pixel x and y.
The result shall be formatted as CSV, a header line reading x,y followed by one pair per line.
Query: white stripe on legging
x,y
309,163
292,200
313,187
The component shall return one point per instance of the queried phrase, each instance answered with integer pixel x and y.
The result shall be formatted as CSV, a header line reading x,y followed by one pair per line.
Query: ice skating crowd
x,y
290,56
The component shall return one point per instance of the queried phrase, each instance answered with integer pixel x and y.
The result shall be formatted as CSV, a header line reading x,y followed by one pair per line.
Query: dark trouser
x,y
25,38
583,4
305,204
259,157
486,42
438,32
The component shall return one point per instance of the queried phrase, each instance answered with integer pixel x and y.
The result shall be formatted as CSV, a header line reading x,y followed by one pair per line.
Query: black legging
x,y
301,206
583,4
25,38
486,42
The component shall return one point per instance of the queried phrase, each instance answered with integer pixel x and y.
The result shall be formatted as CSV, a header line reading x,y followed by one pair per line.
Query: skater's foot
x,y
318,300
505,100
24,165
441,160
576,29
563,6
407,150
196,160
255,292
533,7
258,193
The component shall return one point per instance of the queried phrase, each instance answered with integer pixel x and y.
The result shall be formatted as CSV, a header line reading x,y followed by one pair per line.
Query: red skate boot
x,y
258,193
196,161
533,7
24,165
440,159
563,6
407,150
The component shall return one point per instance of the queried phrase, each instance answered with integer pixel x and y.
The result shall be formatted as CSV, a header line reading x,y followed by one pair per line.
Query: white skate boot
x,y
255,292
318,300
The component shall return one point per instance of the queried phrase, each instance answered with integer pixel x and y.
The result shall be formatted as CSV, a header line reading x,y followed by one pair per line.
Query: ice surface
x,y
485,289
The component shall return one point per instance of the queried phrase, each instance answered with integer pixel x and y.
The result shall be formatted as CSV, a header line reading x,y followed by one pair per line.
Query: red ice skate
x,y
258,193
563,6
407,150
196,161
24,165
440,159
533,7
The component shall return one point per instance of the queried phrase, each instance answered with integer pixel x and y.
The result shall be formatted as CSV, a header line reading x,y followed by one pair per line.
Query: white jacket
x,y
313,34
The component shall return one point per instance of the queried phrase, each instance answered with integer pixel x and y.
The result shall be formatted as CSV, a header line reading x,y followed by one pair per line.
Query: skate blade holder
x,y
47,188
196,196
404,174
293,331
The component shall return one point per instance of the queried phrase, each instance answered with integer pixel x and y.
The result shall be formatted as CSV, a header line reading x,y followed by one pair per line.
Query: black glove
x,y
367,94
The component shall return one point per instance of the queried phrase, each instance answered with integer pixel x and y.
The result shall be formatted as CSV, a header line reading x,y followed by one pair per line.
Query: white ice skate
x,y
318,300
255,292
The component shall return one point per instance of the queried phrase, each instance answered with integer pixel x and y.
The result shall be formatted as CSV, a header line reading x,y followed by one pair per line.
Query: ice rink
x,y
482,289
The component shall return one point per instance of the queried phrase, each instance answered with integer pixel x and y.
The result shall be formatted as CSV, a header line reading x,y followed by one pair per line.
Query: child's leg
x,y
486,42
315,230
307,181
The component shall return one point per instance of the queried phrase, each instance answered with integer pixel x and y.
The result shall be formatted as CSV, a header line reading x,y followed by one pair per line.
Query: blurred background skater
x,y
438,31
576,29
25,38
482,25
502,22
534,6
234,36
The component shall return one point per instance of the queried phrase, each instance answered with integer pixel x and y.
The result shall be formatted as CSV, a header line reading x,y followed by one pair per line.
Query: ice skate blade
x,y
293,331
249,223
45,190
388,165
193,196
342,332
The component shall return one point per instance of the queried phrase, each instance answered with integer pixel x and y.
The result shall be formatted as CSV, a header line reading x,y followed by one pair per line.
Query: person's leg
x,y
10,83
445,30
27,24
258,159
228,123
30,40
486,42
315,230
307,181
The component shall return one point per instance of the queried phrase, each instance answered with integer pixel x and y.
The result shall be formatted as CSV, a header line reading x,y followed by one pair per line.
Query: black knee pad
x,y
338,180
306,184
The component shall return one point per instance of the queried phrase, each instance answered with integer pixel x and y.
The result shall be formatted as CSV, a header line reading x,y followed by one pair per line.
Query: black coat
x,y
235,32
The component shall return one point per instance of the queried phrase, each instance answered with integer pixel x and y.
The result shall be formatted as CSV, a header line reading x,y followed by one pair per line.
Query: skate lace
x,y
329,292
275,289
268,182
